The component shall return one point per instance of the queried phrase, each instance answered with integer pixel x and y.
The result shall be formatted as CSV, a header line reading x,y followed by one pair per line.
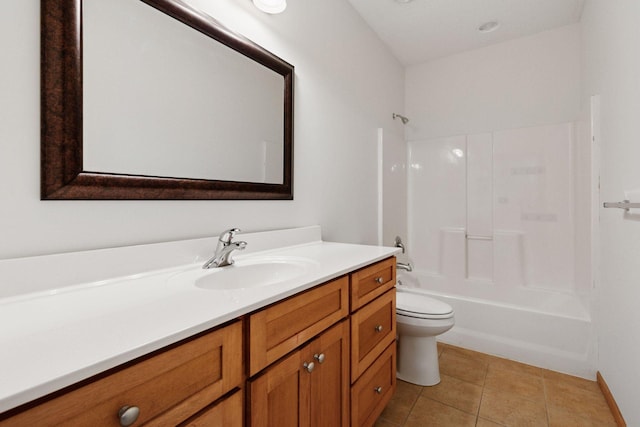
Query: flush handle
x,y
128,415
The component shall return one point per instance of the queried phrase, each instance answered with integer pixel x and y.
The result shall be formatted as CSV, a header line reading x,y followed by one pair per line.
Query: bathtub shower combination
x,y
499,228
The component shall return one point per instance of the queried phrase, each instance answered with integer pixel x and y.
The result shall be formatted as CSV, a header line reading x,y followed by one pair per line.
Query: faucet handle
x,y
227,236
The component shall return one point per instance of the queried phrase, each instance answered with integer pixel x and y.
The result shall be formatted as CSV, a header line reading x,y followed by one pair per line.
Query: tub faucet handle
x,y
399,244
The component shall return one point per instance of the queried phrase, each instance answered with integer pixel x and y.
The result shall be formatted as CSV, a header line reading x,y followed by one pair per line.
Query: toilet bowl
x,y
420,319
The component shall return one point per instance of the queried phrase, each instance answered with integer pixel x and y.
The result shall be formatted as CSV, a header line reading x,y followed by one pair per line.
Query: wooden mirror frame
x,y
62,174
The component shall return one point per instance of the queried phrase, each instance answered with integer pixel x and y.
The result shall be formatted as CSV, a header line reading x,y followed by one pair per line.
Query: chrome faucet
x,y
399,244
402,266
226,246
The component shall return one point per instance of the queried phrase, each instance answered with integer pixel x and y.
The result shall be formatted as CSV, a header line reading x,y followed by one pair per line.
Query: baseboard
x,y
613,406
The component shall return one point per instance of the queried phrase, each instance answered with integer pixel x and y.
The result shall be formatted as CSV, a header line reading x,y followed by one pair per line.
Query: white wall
x,y
611,69
524,82
343,72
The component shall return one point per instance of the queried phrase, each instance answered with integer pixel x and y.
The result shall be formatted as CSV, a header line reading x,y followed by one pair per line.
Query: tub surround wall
x,y
486,207
497,144
342,71
492,231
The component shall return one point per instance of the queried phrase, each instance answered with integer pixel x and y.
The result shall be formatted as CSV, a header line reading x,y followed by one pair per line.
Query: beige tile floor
x,y
486,391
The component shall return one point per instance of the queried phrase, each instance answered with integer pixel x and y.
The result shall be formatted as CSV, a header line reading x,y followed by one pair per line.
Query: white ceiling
x,y
422,30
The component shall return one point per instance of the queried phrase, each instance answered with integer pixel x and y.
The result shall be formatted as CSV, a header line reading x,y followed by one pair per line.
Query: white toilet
x,y
420,319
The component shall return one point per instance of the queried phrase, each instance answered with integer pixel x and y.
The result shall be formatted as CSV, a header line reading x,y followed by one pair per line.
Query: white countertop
x,y
53,339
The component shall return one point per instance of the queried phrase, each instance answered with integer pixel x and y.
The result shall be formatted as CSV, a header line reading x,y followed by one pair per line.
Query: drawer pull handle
x,y
378,390
128,415
379,280
379,328
309,366
319,357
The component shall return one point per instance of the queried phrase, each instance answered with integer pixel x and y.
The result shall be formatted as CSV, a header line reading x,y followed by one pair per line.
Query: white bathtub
x,y
551,330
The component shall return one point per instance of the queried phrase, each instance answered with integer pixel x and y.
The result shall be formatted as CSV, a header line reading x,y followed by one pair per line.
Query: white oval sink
x,y
247,273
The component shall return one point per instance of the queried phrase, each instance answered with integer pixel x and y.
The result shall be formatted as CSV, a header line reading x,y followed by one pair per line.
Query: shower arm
x,y
404,119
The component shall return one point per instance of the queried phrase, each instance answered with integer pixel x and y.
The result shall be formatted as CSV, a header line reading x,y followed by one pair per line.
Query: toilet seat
x,y
421,306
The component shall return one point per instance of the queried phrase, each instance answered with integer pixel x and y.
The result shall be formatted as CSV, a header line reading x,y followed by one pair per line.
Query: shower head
x,y
404,119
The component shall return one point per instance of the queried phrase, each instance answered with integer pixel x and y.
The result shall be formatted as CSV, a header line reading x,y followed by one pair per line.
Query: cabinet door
x,y
280,396
330,378
310,387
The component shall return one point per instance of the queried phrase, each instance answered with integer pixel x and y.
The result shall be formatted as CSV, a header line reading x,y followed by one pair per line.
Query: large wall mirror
x,y
151,99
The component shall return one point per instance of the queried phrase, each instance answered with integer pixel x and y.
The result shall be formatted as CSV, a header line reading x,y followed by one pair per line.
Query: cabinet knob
x,y
128,415
379,328
379,280
319,357
309,366
378,390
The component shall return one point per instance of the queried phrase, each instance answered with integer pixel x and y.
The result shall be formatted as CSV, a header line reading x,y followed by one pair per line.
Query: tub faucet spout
x,y
406,267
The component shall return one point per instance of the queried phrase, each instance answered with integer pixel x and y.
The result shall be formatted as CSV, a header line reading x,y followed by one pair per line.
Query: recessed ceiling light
x,y
271,6
488,27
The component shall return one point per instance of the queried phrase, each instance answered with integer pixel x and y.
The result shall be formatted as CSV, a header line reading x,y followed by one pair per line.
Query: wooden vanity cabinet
x,y
324,357
167,388
309,387
373,341
343,376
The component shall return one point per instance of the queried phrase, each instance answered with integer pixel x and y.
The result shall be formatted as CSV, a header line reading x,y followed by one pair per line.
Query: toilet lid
x,y
419,305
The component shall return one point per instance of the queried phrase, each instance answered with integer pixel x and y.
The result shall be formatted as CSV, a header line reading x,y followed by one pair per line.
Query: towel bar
x,y
625,204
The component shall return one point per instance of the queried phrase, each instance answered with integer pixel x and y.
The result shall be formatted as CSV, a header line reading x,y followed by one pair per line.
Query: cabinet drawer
x,y
373,328
167,388
374,389
371,282
280,328
227,413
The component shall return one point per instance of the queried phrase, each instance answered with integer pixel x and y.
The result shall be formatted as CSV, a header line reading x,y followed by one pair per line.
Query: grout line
x,y
546,403
484,387
404,421
479,406
447,404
